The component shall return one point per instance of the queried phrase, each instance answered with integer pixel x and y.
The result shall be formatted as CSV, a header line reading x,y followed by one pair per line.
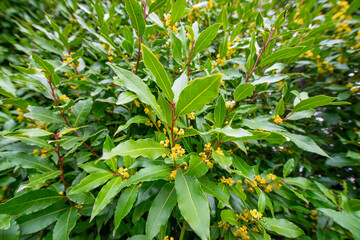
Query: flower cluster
x,y
172,175
227,181
277,119
123,172
191,116
261,182
205,155
226,226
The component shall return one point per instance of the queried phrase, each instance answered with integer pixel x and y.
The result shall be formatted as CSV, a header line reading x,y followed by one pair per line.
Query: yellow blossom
x,y
278,119
219,151
64,97
191,116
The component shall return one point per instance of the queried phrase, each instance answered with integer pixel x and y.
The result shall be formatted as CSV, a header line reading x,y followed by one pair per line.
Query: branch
x,y
258,58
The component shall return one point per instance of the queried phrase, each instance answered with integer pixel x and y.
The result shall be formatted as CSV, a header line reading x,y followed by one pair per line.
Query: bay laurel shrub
x,y
180,119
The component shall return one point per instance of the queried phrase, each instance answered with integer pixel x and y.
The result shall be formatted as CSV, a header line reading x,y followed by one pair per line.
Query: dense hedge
x,y
179,119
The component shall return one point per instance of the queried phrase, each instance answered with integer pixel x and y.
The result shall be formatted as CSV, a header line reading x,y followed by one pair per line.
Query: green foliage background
x,y
179,119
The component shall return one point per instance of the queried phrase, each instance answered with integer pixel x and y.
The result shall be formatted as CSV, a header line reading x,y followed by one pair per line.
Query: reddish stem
x,y
258,57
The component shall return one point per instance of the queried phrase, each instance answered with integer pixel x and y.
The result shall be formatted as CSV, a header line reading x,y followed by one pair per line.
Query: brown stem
x,y
138,57
258,57
53,94
57,150
190,57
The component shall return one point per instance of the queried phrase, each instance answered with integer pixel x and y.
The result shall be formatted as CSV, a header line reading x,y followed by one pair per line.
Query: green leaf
x,y
106,194
136,119
177,11
313,102
125,97
280,54
280,108
299,182
354,204
135,84
26,160
179,84
135,12
230,132
176,48
107,147
326,192
347,220
48,68
193,204
43,115
95,167
283,227
33,141
198,93
80,111
109,191
65,224
244,169
243,90
354,6
30,202
262,202
5,221
288,167
124,205
270,79
40,179
11,233
142,147
160,210
252,48
205,38
36,221
82,198
156,5
224,161
228,216
304,143
220,112
157,69
210,187
90,182
197,167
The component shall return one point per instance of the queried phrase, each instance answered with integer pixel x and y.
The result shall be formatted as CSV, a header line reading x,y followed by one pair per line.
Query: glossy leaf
x,y
205,38
90,182
36,221
43,115
193,204
157,69
220,112
125,203
197,94
280,54
313,102
283,227
177,11
30,202
135,84
80,111
243,91
142,147
136,16
135,119
160,210
65,224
